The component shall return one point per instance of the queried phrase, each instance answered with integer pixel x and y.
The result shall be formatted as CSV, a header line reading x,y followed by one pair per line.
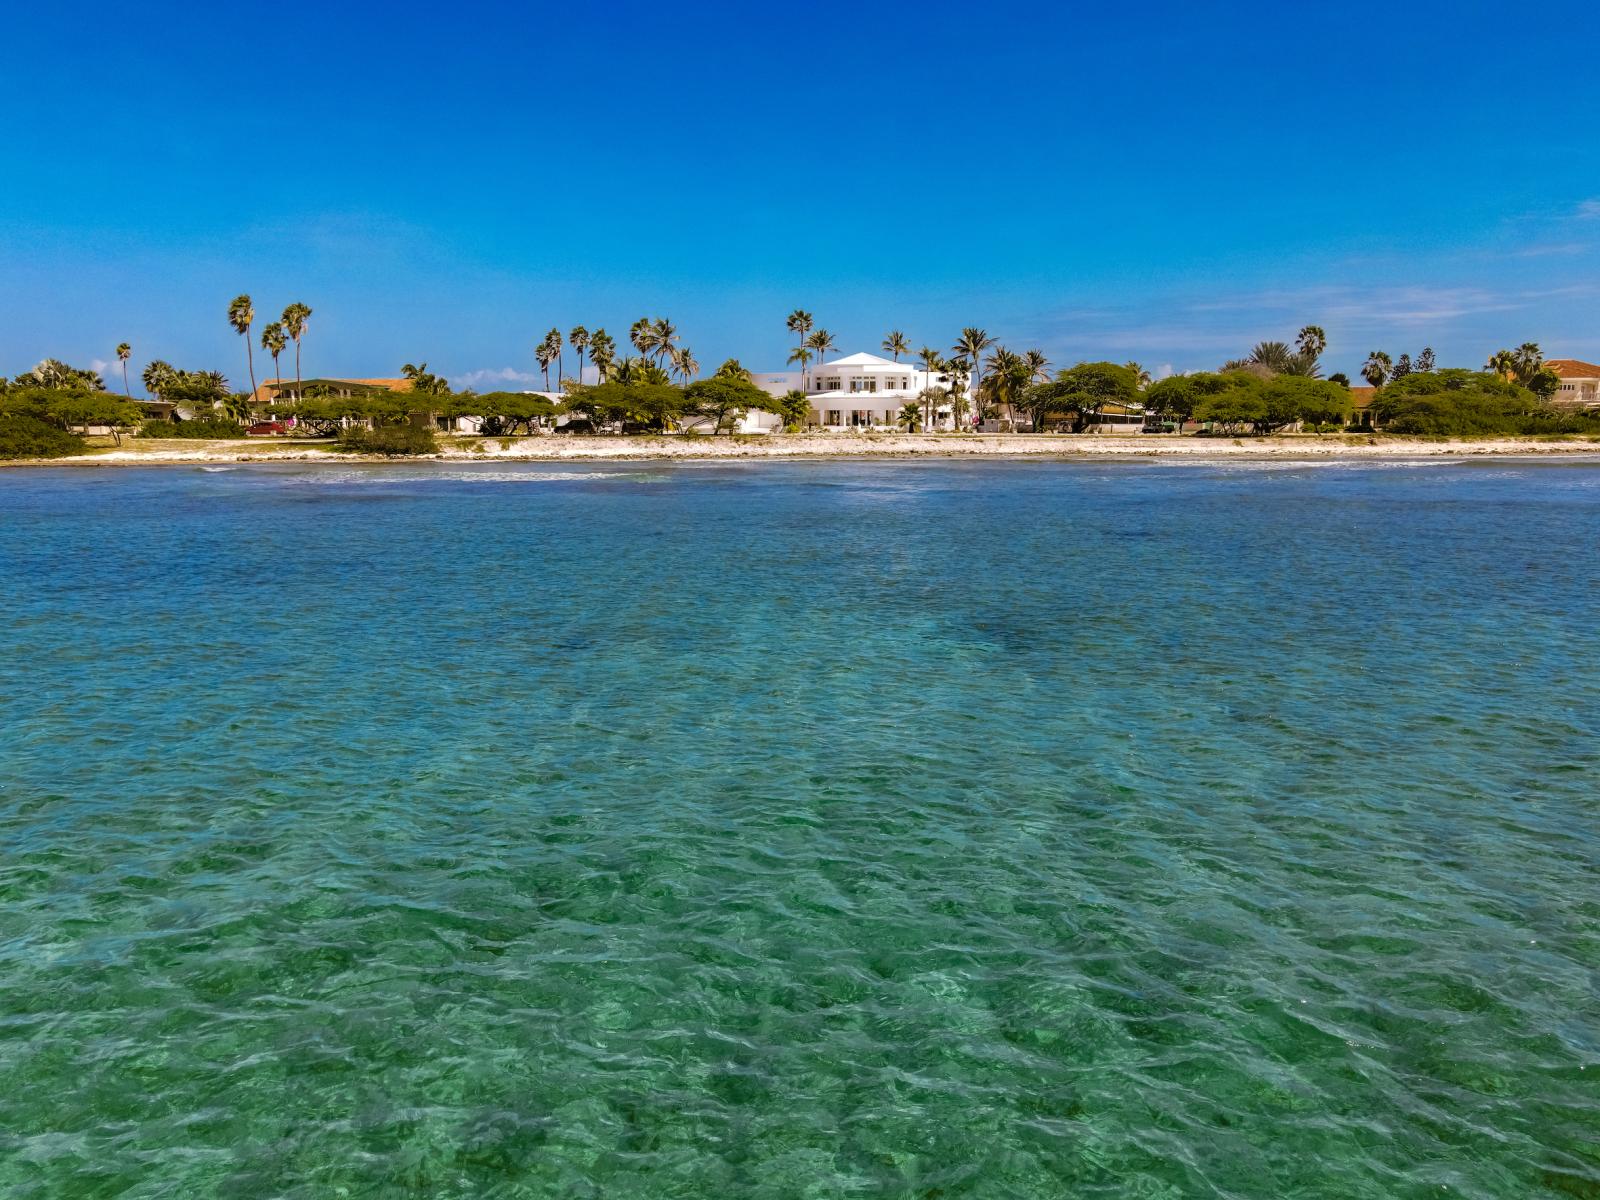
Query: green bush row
x,y
23,435
201,428
393,440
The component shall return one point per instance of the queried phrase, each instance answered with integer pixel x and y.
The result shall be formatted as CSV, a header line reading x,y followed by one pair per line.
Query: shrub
x,y
392,440
200,428
23,435
1455,403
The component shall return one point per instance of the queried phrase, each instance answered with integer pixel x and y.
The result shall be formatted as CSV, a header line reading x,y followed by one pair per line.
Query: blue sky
x,y
1147,181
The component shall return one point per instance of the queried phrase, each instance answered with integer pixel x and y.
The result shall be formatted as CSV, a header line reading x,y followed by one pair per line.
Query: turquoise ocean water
x,y
801,830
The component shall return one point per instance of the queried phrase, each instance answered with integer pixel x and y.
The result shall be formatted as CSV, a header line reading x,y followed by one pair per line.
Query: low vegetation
x,y
201,428
393,441
23,435
1471,403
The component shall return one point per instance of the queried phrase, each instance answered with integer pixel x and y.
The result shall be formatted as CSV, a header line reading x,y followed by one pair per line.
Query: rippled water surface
x,y
801,830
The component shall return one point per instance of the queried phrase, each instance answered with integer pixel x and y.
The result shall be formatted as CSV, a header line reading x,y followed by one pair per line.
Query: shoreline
x,y
557,448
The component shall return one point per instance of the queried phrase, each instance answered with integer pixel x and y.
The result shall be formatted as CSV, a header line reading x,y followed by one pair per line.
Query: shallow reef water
x,y
801,829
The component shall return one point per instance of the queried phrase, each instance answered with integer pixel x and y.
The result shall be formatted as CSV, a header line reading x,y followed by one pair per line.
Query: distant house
x,y
286,391
1580,383
859,391
1361,405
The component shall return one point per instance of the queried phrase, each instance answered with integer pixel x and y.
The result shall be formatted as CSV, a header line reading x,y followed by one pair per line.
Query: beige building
x,y
1580,383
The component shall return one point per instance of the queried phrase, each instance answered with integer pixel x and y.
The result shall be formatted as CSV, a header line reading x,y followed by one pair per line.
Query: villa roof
x,y
1573,368
871,361
1361,397
272,387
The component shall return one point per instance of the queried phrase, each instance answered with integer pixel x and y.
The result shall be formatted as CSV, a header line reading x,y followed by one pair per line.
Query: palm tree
x,y
800,324
124,353
663,333
1039,367
1312,341
241,315
1274,356
958,370
970,345
801,355
294,324
602,353
274,342
930,364
1008,375
1527,359
897,345
1376,369
157,376
821,341
685,363
642,336
1502,363
547,352
553,341
578,339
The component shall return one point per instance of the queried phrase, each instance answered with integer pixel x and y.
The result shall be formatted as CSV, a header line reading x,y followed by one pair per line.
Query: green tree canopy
x,y
650,406
502,412
725,399
1458,402
1081,393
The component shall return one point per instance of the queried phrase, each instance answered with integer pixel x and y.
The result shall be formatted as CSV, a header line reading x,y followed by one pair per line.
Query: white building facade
x,y
859,391
1580,383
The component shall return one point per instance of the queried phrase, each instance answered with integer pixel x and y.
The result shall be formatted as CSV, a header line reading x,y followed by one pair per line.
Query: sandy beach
x,y
140,452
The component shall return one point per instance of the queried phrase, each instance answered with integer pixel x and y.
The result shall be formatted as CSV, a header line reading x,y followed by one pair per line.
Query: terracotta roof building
x,y
289,391
1580,383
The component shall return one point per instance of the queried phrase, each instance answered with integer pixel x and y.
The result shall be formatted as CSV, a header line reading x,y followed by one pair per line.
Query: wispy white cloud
x,y
491,377
1588,210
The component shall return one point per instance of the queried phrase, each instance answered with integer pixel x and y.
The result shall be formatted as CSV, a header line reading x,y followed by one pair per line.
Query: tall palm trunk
x,y
297,388
125,386
250,357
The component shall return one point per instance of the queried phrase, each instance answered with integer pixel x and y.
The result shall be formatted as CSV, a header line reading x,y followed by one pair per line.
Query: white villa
x,y
859,391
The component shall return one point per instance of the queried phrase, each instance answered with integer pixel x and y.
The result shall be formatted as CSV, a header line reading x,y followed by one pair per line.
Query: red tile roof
x,y
1573,368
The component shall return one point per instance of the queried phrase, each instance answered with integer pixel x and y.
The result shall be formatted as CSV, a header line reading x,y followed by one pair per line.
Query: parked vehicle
x,y
266,429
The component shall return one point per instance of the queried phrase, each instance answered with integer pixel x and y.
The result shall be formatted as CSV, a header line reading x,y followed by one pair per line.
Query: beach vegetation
x,y
200,427
70,409
501,412
55,375
793,408
1456,403
124,353
1272,358
241,316
23,435
1079,395
631,407
395,441
275,341
423,381
724,399
295,320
